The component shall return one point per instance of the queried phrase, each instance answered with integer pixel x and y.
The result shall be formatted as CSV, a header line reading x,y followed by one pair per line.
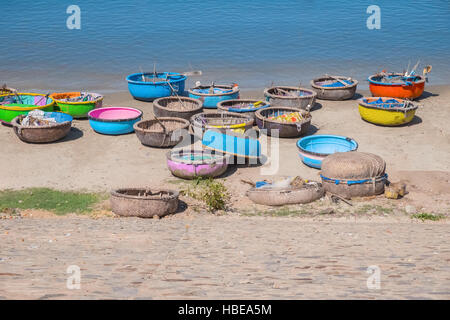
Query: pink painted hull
x,y
191,171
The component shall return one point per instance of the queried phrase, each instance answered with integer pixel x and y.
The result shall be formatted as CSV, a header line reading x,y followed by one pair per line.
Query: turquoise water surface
x,y
253,43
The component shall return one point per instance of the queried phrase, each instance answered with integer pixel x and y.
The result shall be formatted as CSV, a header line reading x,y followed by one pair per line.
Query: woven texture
x,y
353,165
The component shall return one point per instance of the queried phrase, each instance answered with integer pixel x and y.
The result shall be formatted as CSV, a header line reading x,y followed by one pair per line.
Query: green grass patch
x,y
212,192
428,216
59,202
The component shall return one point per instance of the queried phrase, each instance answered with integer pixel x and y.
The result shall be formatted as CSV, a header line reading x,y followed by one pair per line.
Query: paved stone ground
x,y
203,257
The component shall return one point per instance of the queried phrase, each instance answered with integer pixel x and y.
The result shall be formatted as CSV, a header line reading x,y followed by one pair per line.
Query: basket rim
x,y
28,108
413,106
330,77
271,95
185,122
248,119
100,98
173,194
260,117
221,157
182,78
329,136
115,120
372,81
234,89
197,101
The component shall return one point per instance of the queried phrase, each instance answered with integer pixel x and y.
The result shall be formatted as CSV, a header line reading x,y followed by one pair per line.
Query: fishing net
x,y
353,165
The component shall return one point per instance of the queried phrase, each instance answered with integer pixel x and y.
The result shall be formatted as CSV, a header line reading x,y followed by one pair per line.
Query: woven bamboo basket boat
x,y
6,90
287,122
294,97
45,133
15,104
144,203
213,94
334,87
395,85
280,197
159,132
222,121
354,174
387,111
242,106
177,107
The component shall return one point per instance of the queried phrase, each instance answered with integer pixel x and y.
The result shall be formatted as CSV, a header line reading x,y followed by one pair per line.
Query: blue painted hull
x,y
113,128
236,145
313,149
210,102
149,91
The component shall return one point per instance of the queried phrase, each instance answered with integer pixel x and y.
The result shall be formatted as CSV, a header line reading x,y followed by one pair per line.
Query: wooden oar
x,y
340,80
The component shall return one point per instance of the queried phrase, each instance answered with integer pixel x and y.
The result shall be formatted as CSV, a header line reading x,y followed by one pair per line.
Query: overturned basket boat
x,y
242,106
396,85
43,133
177,107
309,192
213,94
223,121
161,132
387,111
284,121
77,104
314,149
190,164
15,104
294,97
334,87
144,203
354,174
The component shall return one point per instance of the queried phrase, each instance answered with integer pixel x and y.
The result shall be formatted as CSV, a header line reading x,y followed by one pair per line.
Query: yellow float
x,y
386,111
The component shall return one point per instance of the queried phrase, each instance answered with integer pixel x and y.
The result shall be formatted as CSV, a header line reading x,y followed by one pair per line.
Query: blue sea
x,y
253,43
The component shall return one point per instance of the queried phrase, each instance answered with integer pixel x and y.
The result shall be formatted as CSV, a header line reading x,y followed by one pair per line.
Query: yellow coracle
x,y
387,111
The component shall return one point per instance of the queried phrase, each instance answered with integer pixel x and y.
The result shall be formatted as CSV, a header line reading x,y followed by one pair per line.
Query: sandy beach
x,y
321,252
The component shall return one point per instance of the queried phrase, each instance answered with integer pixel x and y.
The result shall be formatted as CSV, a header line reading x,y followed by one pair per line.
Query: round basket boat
x,y
151,86
242,106
177,107
314,149
44,133
223,121
159,132
15,104
294,97
114,120
190,164
395,85
287,122
334,87
212,95
144,203
354,174
77,104
279,197
387,111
